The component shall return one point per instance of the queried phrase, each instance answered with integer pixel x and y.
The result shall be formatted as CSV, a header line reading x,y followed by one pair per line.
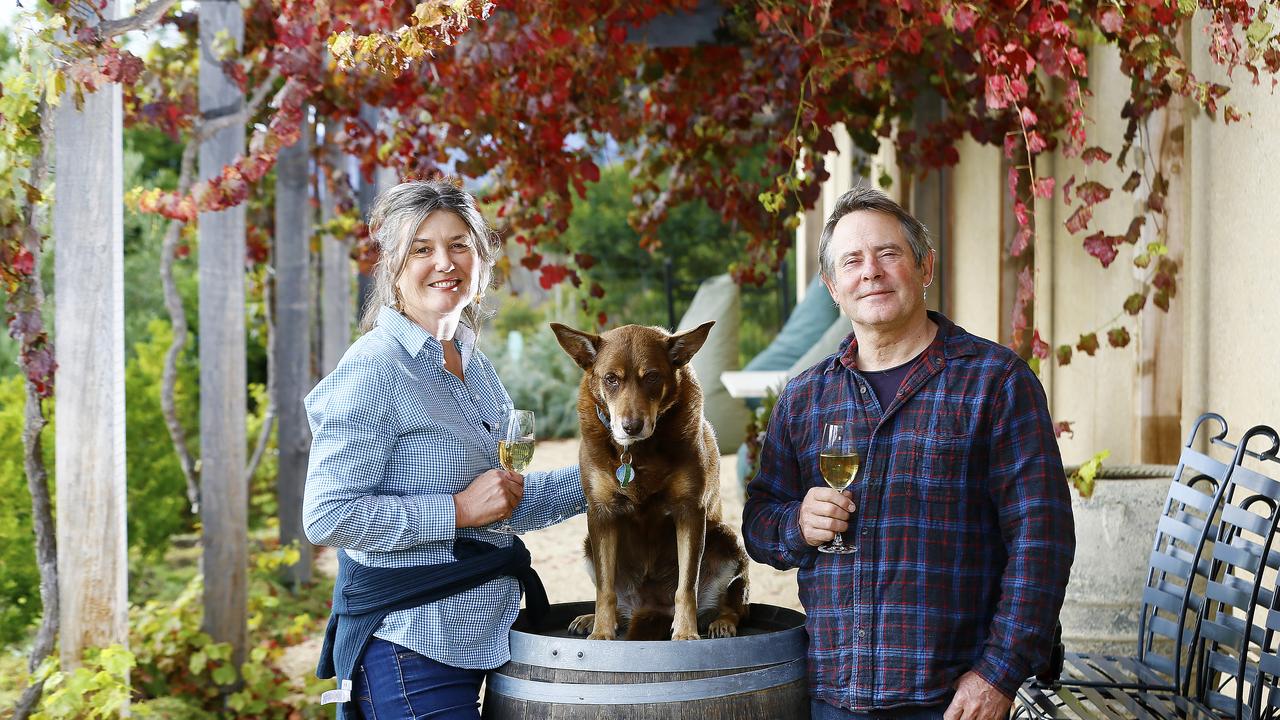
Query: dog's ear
x,y
680,348
582,347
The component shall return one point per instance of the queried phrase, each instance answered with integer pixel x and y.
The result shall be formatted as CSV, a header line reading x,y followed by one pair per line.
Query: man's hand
x,y
977,699
488,499
824,513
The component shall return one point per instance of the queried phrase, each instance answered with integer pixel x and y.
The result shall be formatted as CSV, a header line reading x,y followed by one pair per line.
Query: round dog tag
x,y
625,474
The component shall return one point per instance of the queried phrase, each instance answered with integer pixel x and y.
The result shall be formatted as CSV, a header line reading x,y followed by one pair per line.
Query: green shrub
x,y
516,315
158,507
264,506
543,379
177,672
19,576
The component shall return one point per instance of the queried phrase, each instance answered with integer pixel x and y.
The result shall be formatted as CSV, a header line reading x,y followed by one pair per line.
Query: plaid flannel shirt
x,y
396,435
963,525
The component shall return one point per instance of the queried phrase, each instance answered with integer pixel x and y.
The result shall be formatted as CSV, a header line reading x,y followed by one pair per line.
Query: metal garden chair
x,y
1172,604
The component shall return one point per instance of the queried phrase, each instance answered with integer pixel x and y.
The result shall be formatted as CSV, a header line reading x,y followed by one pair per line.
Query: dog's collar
x,y
625,472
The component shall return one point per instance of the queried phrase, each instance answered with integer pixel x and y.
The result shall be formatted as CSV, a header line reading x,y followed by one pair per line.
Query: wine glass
x,y
515,450
838,460
515,440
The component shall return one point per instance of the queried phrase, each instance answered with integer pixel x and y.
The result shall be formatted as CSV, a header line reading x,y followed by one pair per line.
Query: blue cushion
x,y
807,323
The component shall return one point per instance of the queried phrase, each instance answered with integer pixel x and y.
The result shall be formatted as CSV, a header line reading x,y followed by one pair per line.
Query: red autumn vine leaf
x,y
1160,298
1063,353
1088,343
1079,219
1092,192
1134,232
1063,427
1111,20
1039,348
1134,303
551,275
1102,246
1118,337
1044,187
1095,154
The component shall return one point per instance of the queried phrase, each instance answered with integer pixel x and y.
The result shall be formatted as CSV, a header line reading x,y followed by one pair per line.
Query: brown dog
x,y
656,547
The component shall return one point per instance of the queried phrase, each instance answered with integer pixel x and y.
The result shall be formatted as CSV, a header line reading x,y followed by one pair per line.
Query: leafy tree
x,y
696,242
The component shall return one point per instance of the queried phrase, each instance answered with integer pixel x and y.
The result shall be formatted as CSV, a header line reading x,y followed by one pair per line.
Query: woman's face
x,y
442,272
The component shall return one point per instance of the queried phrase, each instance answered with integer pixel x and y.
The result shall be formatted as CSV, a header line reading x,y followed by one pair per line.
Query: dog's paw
x,y
602,634
723,629
582,625
685,636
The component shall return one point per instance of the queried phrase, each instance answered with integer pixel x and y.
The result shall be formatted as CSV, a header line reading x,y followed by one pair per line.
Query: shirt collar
x,y
414,339
951,342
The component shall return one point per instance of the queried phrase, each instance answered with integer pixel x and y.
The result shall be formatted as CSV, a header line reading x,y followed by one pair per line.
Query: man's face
x,y
875,279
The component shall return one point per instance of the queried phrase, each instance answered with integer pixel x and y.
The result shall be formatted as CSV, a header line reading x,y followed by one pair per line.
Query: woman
x,y
403,474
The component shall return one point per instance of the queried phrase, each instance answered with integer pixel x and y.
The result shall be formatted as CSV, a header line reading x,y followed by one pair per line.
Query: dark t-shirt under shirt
x,y
885,383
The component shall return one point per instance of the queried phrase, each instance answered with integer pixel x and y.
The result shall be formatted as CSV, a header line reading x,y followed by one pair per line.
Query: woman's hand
x,y
488,499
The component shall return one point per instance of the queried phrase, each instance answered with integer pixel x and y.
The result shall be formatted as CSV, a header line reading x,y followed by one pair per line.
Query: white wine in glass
x,y
838,461
515,451
515,443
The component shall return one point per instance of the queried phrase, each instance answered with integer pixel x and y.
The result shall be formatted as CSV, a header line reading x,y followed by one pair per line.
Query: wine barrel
x,y
553,676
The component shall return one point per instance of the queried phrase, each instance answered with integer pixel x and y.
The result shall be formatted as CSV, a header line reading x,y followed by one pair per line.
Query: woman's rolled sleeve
x,y
549,497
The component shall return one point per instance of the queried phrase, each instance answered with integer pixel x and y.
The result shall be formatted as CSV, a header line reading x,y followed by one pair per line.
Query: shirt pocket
x,y
946,459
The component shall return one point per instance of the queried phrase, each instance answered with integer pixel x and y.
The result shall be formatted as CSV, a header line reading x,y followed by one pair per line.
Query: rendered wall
x,y
1232,282
973,263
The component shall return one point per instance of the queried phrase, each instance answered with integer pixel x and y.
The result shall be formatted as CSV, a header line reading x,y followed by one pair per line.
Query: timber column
x,y
223,485
88,235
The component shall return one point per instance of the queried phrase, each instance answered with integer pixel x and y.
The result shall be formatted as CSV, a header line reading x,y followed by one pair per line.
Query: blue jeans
x,y
819,710
395,683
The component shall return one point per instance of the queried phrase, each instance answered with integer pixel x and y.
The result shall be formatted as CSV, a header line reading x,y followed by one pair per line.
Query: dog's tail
x,y
650,624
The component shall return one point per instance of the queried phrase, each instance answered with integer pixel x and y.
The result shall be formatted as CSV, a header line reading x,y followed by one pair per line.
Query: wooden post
x,y
293,345
1160,343
88,234
223,491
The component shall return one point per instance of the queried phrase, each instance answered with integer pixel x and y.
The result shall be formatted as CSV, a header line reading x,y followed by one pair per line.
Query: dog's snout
x,y
632,426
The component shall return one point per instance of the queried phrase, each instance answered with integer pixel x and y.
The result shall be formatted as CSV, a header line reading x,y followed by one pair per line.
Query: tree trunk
x,y
25,304
335,271
292,345
88,232
223,491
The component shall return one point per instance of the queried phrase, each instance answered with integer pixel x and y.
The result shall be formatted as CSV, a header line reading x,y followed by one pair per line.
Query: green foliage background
x,y
696,241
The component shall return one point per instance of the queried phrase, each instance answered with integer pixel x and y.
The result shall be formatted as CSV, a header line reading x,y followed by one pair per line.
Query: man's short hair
x,y
865,197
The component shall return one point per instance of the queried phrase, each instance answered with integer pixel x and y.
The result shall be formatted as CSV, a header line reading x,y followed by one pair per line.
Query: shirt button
x,y
864,389
866,531
862,633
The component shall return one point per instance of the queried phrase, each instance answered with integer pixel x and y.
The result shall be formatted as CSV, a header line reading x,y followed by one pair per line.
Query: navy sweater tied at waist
x,y
363,596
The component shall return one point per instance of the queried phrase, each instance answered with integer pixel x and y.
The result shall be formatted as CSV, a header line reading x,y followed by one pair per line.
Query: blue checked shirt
x,y
395,436
963,525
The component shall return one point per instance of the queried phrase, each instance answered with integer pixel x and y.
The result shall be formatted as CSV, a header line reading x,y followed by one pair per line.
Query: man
x,y
960,513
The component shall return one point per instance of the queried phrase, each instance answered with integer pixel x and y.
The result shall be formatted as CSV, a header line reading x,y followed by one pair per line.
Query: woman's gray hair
x,y
865,197
397,213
